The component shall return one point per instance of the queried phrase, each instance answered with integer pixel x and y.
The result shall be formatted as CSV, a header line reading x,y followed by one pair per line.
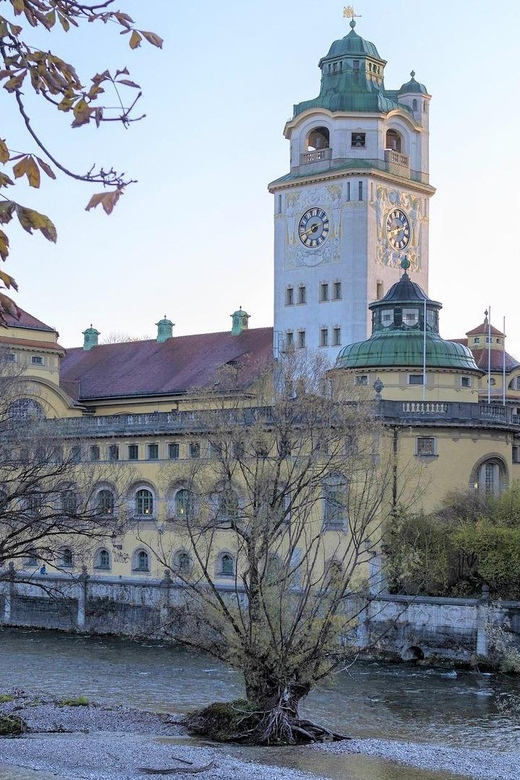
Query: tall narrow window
x,y
153,452
360,190
289,340
336,337
105,502
324,291
133,452
324,337
289,296
336,291
94,452
173,451
144,503
113,452
302,294
348,190
301,339
194,449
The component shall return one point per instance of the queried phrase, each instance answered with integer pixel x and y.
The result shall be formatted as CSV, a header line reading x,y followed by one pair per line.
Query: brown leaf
x,y
15,82
33,172
4,151
18,6
8,281
107,200
128,83
152,38
7,208
32,220
5,180
135,40
4,245
46,168
82,113
8,306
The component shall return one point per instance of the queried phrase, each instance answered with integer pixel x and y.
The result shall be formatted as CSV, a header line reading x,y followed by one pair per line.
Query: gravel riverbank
x,y
101,743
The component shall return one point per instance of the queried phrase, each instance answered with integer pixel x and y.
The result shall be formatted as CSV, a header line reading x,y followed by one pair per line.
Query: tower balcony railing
x,y
397,163
317,155
449,413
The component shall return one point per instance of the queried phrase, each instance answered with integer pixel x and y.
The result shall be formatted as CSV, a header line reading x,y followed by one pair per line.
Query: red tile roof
x,y
32,344
182,363
484,328
497,358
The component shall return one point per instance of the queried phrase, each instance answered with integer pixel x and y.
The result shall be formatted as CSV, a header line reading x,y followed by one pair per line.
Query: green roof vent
x,y
164,330
240,322
90,338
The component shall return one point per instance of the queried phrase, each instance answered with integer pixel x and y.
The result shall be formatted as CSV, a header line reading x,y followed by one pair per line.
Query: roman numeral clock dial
x,y
398,229
313,228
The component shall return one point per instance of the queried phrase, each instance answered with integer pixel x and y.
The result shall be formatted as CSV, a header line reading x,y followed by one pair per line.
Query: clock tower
x,y
355,202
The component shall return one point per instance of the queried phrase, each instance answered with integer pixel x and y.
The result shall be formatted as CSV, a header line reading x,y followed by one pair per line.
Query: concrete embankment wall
x,y
448,629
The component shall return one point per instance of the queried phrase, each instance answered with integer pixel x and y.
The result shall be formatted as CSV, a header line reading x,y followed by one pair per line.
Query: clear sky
x,y
194,238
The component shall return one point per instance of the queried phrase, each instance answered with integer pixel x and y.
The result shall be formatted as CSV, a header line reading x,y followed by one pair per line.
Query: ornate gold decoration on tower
x,y
349,12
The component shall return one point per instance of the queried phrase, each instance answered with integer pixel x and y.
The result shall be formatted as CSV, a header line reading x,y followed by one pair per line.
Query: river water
x,y
368,700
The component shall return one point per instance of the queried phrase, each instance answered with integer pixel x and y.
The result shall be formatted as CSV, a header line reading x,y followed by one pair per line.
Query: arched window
x,y
102,559
335,499
227,565
227,506
26,410
490,477
319,138
105,502
66,558
144,503
181,562
184,503
141,561
393,141
414,104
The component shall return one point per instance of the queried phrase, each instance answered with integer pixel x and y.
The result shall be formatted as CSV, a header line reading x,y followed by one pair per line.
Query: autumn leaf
x,y
106,199
4,245
8,306
32,220
128,83
4,151
81,113
8,280
28,167
5,180
15,82
135,40
46,168
7,208
152,38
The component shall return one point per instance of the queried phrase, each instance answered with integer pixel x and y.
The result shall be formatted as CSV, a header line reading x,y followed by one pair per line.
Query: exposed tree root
x,y
240,721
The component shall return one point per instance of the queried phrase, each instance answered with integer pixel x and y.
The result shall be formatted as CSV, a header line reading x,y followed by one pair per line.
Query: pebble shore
x,y
79,742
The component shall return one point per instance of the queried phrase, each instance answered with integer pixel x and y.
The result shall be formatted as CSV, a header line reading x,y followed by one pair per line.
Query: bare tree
x,y
276,518
53,505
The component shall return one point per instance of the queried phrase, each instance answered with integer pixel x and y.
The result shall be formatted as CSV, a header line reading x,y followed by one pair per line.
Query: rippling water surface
x,y
369,700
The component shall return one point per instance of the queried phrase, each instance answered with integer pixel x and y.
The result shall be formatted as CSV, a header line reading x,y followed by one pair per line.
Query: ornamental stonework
x,y
387,199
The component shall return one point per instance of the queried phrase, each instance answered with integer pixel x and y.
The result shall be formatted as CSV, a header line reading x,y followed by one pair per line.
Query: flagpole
x,y
504,363
424,352
488,313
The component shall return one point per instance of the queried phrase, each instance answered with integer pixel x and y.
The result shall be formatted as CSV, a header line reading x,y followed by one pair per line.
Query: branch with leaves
x,y
25,69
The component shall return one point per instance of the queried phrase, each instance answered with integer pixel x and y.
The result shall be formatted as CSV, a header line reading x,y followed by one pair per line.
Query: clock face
x,y
313,228
397,229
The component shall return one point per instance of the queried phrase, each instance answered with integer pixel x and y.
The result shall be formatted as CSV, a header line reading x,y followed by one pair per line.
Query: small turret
x,y
164,330
240,322
90,338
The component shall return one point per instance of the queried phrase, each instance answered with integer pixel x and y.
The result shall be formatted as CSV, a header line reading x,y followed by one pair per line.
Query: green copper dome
x,y
397,340
352,79
412,86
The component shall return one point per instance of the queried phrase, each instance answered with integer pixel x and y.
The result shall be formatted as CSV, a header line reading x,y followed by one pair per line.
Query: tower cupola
x,y
240,322
90,338
164,330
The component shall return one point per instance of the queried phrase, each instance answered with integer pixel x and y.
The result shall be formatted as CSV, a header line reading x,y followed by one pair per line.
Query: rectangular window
x,y
358,140
362,379
37,360
75,454
360,190
336,291
301,339
289,296
324,291
426,447
336,337
348,190
465,381
324,337
302,294
94,452
10,357
476,340
289,340
516,453
153,452
113,452
415,379
173,451
355,64
133,452
194,449
215,449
